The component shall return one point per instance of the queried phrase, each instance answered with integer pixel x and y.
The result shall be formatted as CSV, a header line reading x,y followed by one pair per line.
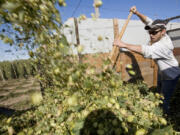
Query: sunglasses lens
x,y
153,32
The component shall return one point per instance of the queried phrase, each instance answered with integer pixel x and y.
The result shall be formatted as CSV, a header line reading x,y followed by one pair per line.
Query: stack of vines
x,y
17,69
80,101
77,99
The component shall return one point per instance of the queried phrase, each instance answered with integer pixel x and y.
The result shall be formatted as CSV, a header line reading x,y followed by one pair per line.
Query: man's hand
x,y
133,9
119,43
131,47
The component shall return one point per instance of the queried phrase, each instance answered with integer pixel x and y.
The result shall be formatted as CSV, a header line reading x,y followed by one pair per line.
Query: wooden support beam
x,y
176,51
115,28
116,34
2,75
77,39
155,72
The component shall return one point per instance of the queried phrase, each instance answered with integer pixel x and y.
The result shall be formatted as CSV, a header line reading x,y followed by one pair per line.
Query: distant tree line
x,y
17,69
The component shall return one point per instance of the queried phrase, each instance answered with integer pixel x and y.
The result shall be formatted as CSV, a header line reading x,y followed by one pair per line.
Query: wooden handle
x,y
115,49
124,26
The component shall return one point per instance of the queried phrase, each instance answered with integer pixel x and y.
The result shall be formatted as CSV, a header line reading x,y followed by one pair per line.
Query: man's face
x,y
156,35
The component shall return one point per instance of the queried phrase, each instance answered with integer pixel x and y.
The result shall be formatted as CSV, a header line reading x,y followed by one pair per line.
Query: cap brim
x,y
153,27
147,27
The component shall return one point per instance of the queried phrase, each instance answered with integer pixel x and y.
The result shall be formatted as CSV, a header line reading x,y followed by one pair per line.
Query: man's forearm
x,y
134,48
141,16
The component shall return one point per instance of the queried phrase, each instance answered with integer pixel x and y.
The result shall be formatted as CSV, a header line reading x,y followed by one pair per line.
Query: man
x,y
160,49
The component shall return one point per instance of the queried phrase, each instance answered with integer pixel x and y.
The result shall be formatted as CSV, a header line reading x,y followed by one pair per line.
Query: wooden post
x,y
115,28
120,57
14,70
116,34
77,39
2,75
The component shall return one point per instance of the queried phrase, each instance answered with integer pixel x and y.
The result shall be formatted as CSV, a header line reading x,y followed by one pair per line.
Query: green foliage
x,y
17,69
20,19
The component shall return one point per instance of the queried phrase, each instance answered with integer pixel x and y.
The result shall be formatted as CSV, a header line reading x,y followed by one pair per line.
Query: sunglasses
x,y
154,32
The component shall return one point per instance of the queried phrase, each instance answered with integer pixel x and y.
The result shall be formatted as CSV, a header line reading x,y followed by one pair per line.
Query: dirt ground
x,y
15,94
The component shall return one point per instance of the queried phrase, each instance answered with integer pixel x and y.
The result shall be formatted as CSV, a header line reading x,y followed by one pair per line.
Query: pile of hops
x,y
92,103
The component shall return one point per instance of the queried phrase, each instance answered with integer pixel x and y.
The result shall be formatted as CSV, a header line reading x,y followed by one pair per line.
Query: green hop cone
x,y
130,118
98,3
61,2
36,98
80,48
129,66
100,38
21,133
82,17
163,121
56,71
112,100
9,120
10,130
72,101
31,54
131,72
141,132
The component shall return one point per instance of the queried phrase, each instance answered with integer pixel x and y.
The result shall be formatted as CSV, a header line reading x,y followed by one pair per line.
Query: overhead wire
x,y
76,8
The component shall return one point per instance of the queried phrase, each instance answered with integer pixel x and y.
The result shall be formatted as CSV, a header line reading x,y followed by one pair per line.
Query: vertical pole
x,y
120,57
2,75
96,10
14,71
115,28
116,34
77,38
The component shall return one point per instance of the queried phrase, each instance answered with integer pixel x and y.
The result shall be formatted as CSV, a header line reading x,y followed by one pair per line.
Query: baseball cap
x,y
157,24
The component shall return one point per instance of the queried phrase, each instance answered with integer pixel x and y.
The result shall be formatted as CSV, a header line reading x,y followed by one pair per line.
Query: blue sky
x,y
110,9
120,8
